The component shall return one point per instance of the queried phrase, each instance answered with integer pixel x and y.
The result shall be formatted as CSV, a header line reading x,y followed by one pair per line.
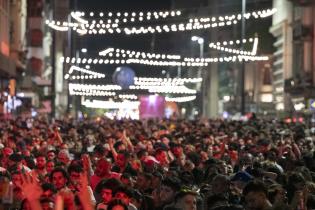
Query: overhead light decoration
x,y
164,89
90,74
128,96
91,87
112,25
74,60
218,46
118,52
180,99
111,104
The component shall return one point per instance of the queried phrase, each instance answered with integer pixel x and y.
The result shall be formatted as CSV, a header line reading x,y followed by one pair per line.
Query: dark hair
x,y
48,186
61,170
183,193
172,182
112,184
125,190
75,168
116,202
255,186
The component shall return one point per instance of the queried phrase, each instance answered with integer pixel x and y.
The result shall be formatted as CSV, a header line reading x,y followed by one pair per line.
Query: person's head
x,y
186,200
161,156
47,204
64,157
102,168
255,194
220,184
124,194
50,165
59,178
49,190
40,161
120,147
276,193
169,187
177,150
51,155
144,181
126,179
117,205
74,172
107,189
122,159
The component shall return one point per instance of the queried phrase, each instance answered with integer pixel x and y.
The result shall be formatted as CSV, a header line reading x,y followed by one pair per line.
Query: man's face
x,y
107,195
166,194
47,206
41,162
51,155
59,180
63,158
188,202
50,166
121,160
74,177
141,182
254,201
102,168
123,197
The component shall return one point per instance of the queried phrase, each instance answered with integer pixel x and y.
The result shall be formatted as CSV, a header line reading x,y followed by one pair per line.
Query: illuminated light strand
x,y
231,50
128,96
118,52
113,26
74,60
77,17
92,93
165,81
164,89
111,104
180,99
90,87
229,59
156,79
255,14
232,42
91,74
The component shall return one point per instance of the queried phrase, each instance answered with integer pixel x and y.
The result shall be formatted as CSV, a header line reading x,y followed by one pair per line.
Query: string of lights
x,y
74,60
84,26
111,104
232,42
127,17
91,74
89,87
164,89
236,51
91,93
118,52
180,99
128,96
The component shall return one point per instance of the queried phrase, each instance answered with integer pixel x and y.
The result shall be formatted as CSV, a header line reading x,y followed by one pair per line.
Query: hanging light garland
x,y
236,51
109,26
118,52
149,62
111,104
128,96
180,99
91,74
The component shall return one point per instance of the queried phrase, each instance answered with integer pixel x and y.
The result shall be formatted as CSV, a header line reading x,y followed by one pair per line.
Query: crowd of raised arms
x,y
165,164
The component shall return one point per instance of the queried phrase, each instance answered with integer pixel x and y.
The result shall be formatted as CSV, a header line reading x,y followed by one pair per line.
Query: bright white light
x,y
84,50
226,98
200,41
266,97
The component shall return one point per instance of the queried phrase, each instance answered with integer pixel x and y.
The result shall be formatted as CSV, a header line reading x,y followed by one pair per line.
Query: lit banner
x,y
152,106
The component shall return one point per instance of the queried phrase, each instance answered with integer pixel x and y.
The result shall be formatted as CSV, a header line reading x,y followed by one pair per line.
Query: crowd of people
x,y
156,164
